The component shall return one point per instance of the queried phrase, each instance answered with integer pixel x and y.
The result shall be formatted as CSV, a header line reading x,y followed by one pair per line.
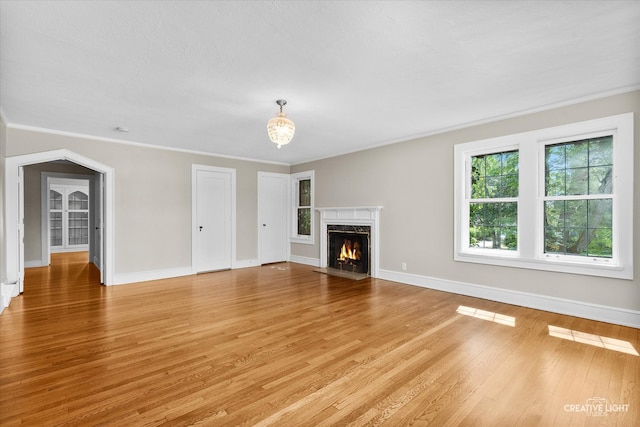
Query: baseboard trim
x,y
7,292
34,263
618,316
244,263
314,262
145,276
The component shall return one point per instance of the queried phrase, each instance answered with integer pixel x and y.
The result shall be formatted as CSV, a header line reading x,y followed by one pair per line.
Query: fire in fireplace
x,y
348,248
350,251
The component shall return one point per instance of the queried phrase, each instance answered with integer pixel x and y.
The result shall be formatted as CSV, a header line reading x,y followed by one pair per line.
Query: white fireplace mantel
x,y
358,215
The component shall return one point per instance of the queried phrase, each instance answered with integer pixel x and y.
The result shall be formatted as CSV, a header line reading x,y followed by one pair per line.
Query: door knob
x,y
200,228
264,225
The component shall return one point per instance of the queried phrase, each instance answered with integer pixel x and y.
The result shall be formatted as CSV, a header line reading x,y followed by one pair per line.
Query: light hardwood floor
x,y
283,345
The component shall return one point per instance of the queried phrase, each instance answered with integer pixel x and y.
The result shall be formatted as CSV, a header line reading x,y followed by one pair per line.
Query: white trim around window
x,y
296,178
530,252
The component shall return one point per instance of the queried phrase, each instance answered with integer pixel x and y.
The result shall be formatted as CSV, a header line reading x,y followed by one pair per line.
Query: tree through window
x,y
302,204
304,207
578,204
493,210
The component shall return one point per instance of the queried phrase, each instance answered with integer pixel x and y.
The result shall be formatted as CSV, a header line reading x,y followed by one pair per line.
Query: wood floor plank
x,y
282,345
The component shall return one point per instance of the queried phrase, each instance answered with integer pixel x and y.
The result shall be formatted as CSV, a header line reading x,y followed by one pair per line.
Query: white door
x,y
98,237
213,220
20,248
273,217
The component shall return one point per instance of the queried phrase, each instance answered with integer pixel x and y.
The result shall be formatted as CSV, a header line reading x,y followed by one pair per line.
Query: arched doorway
x,y
104,184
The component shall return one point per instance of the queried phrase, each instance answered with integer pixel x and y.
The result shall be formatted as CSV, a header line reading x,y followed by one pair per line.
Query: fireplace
x,y
349,240
348,248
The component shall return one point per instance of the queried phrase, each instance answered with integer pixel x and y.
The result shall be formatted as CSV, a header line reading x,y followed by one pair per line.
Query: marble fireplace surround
x,y
359,215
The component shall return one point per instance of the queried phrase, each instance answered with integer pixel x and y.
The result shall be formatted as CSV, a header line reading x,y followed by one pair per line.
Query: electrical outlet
x,y
404,266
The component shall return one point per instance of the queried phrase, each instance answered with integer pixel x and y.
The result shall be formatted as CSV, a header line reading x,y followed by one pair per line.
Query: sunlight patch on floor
x,y
487,315
592,339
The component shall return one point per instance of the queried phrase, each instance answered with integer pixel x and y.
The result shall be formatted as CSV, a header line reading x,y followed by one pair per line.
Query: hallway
x,y
50,286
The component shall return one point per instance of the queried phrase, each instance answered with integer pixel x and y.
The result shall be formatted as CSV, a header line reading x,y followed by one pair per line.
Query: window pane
x,y
476,214
509,238
509,186
493,186
55,200
493,164
600,181
600,245
304,221
78,228
78,200
478,237
493,225
577,183
491,213
554,213
555,183
577,168
476,223
509,214
601,151
477,166
577,154
554,157
505,238
494,175
510,161
575,238
304,196
575,213
600,213
579,227
55,228
478,188
554,240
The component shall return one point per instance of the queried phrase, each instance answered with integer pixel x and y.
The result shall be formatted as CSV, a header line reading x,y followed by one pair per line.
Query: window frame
x,y
544,198
295,185
530,252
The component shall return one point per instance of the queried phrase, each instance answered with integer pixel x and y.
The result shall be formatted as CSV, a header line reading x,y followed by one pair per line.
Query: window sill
x,y
302,240
554,265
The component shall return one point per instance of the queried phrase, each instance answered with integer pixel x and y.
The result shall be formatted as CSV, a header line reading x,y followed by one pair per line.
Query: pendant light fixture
x,y
280,128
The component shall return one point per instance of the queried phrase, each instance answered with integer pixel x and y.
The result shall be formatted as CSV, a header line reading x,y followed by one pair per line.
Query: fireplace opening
x,y
348,248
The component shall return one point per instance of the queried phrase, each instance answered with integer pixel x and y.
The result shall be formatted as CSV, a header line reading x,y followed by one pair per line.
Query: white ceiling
x,y
205,75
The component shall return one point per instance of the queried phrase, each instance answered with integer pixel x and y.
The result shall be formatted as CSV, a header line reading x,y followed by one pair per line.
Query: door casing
x,y
14,194
195,170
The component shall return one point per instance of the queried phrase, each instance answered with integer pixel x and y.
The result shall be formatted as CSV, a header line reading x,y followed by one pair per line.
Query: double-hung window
x,y
558,199
303,210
